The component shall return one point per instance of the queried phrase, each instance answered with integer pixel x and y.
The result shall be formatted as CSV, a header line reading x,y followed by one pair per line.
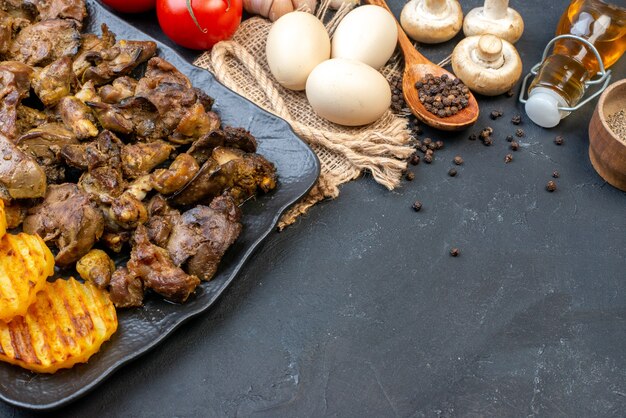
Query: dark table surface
x,y
359,310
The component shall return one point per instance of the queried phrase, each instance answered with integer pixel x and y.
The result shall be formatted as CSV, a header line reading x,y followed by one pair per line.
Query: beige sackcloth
x,y
381,148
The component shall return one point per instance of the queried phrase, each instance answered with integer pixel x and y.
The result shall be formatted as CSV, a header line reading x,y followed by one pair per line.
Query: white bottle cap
x,y
542,107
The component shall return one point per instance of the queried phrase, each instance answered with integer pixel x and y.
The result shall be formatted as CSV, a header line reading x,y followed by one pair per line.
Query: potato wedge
x,y
25,264
3,219
67,324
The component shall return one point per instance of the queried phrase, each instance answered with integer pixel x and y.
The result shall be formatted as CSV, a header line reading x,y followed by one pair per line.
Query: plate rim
x,y
245,257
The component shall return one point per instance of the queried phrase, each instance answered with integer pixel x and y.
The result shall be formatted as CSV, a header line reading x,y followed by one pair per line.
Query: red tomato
x,y
130,6
199,24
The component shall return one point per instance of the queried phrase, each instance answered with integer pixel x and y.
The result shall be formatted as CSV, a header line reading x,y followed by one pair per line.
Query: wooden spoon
x,y
416,66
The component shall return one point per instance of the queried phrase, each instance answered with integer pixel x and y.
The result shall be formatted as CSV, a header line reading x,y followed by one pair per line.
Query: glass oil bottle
x,y
591,36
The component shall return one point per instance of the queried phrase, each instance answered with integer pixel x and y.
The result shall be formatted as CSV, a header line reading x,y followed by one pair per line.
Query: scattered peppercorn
x,y
427,141
519,133
472,137
485,133
430,152
509,138
516,120
495,114
417,206
510,93
514,145
551,186
452,172
428,158
397,100
424,148
410,176
508,158
442,96
432,146
458,160
415,159
487,141
439,145
555,174
455,252
558,140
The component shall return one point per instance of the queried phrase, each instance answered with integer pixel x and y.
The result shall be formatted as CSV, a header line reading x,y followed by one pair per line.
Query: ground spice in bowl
x,y
617,123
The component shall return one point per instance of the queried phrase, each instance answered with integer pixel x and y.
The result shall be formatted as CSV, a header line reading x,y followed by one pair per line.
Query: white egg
x,y
297,42
348,92
368,34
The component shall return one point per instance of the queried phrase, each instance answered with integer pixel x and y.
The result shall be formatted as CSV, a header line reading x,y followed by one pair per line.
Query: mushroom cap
x,y
423,25
487,64
510,28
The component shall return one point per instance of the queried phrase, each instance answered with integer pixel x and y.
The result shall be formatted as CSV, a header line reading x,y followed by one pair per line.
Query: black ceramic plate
x,y
142,329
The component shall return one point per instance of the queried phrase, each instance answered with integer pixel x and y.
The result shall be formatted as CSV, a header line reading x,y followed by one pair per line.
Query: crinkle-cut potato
x,y
25,264
3,219
66,325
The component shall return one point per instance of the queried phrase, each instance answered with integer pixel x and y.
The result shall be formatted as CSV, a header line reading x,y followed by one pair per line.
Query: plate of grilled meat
x,y
133,188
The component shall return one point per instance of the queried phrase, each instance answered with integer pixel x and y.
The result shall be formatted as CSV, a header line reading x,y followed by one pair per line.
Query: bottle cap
x,y
542,107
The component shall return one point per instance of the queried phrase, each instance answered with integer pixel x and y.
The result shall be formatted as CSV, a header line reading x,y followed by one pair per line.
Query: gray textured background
x,y
358,310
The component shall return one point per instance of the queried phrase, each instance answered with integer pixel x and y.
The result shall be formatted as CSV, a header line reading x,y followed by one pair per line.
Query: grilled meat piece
x,y
29,118
77,116
104,151
62,9
97,267
229,171
103,184
201,187
44,144
9,25
155,267
44,42
181,107
171,100
161,71
20,9
15,212
118,60
203,234
88,93
90,49
67,219
20,175
238,138
121,88
132,115
140,158
195,122
54,82
14,86
127,212
174,178
126,290
161,220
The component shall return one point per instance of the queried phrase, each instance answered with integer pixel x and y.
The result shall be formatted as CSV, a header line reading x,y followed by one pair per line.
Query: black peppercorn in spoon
x,y
416,66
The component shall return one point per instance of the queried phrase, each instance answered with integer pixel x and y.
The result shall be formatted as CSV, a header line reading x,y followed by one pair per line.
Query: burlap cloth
x,y
344,153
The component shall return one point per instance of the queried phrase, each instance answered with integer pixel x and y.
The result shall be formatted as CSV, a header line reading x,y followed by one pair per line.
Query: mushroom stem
x,y
436,7
496,9
489,52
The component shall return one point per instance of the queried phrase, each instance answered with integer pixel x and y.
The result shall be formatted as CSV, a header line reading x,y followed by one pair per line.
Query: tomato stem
x,y
193,17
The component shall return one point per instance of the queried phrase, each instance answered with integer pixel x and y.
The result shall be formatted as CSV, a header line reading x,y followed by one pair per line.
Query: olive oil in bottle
x,y
560,81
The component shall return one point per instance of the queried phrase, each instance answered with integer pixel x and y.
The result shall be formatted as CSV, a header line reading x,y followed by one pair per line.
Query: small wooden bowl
x,y
606,150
